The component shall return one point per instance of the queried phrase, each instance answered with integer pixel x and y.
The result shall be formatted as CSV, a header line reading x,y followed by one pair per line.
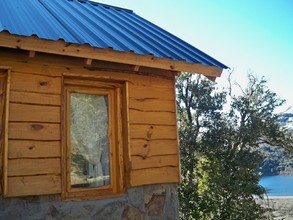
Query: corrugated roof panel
x,y
129,32
98,25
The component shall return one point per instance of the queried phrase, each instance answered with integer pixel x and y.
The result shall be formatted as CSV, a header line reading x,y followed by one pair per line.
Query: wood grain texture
x,y
154,175
146,148
25,65
35,98
3,75
60,64
154,105
52,65
34,131
34,113
34,185
139,162
149,113
133,79
35,83
153,132
5,136
126,135
24,167
86,51
151,92
33,149
152,118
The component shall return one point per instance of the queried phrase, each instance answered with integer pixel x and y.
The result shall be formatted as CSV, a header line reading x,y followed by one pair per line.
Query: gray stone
x,y
149,195
171,210
151,202
4,204
136,197
156,206
89,208
131,213
112,211
53,212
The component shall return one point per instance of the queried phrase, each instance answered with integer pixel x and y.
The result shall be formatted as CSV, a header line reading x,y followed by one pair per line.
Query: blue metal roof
x,y
96,24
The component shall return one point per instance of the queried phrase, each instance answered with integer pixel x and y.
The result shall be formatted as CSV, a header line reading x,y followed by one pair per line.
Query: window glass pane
x,y
89,156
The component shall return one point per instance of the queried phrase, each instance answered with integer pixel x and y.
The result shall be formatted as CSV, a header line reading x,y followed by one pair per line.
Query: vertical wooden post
x,y
4,91
2,128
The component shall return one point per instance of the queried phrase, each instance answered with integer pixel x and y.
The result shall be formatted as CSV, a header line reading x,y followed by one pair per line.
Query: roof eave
x,y
60,47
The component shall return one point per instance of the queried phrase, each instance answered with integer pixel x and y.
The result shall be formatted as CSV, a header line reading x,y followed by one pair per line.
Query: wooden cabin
x,y
88,105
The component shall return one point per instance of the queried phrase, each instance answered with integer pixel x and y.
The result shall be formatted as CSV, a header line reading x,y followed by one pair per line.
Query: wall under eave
x,y
151,171
35,98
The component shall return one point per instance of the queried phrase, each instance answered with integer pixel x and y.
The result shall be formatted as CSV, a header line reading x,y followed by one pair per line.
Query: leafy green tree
x,y
219,149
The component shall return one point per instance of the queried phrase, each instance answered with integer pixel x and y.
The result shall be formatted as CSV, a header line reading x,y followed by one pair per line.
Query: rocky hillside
x,y
286,119
277,161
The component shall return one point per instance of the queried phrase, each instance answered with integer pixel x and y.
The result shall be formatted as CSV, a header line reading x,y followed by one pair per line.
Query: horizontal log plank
x,y
59,65
35,98
133,79
151,92
139,162
146,148
34,185
152,118
33,149
92,83
34,113
152,105
64,63
22,63
23,167
153,132
35,83
33,131
154,175
86,51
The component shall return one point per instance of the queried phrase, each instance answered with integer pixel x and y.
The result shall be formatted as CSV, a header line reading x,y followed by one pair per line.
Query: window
x,y
93,148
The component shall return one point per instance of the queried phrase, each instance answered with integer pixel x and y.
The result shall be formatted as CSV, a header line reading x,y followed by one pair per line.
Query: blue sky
x,y
246,35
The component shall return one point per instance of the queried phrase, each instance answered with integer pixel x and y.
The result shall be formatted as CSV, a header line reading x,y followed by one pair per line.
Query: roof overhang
x,y
60,47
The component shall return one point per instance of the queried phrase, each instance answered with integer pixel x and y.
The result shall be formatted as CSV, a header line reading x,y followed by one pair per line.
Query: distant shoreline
x,y
274,197
280,197
281,206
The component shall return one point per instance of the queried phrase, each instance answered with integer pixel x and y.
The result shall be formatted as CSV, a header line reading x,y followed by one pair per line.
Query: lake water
x,y
278,185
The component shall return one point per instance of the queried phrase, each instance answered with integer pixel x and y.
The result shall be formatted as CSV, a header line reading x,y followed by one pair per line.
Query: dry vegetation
x,y
282,207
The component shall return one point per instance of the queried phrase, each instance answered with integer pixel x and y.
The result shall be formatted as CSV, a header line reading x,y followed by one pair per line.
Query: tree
x,y
219,149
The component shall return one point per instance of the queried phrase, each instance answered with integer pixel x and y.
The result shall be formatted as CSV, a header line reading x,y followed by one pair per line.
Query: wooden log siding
x,y
34,147
35,121
153,134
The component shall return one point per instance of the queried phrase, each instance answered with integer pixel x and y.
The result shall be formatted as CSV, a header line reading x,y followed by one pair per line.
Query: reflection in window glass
x,y
89,156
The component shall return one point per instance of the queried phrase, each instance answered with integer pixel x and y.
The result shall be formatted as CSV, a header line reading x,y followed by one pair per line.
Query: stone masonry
x,y
151,202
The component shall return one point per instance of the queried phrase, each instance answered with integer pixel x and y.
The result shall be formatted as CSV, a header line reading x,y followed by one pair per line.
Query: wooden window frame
x,y
116,122
4,127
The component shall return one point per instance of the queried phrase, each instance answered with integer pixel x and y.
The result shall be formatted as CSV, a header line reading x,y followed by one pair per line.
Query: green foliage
x,y
219,149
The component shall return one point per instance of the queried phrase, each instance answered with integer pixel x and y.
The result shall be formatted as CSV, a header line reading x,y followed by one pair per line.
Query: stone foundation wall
x,y
150,202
